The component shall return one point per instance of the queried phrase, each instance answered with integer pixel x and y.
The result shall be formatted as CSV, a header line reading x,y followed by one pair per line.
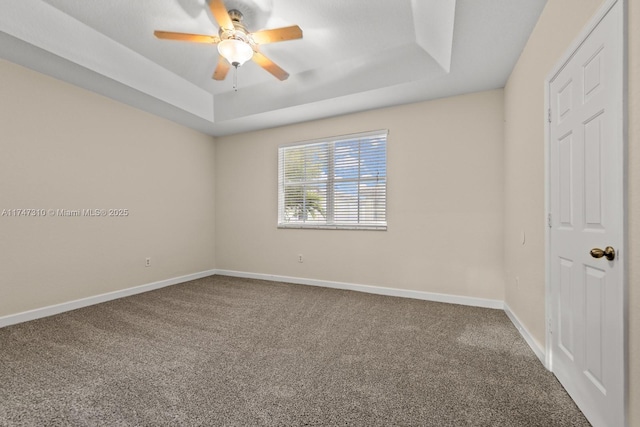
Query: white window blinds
x,y
338,182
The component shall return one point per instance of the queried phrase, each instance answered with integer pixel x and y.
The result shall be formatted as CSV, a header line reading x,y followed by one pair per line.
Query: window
x,y
338,182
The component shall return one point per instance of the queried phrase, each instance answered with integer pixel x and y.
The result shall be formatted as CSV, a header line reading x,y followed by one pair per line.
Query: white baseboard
x,y
405,293
38,313
537,348
428,296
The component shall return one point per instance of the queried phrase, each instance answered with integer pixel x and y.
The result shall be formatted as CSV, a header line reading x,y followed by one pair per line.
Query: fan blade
x,y
221,14
270,66
222,69
277,35
185,37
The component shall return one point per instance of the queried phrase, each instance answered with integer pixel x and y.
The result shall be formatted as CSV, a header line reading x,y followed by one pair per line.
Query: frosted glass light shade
x,y
236,52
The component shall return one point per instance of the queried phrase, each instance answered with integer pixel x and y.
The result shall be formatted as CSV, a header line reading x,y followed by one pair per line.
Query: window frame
x,y
331,181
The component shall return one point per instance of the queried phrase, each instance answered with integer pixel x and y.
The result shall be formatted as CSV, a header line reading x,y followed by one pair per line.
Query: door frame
x,y
557,68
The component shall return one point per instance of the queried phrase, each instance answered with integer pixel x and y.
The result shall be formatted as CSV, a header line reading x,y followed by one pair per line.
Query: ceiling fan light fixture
x,y
236,45
237,52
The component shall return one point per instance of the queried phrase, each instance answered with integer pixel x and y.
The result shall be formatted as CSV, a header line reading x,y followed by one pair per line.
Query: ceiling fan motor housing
x,y
238,32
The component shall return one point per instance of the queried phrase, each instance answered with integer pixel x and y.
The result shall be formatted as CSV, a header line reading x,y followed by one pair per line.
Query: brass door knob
x,y
609,253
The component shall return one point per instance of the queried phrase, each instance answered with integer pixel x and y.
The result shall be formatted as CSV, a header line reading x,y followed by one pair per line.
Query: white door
x,y
586,172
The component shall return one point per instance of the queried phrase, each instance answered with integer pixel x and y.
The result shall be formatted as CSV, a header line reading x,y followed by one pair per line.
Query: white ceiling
x,y
355,54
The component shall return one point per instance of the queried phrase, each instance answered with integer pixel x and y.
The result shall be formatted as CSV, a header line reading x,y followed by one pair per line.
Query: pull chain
x,y
235,78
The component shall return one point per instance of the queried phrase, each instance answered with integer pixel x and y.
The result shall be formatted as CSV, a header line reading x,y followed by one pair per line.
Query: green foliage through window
x,y
334,183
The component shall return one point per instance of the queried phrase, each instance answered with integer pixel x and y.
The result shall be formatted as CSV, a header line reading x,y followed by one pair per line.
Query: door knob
x,y
609,253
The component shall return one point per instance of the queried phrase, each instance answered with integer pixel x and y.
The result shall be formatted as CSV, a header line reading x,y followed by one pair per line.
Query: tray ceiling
x,y
355,55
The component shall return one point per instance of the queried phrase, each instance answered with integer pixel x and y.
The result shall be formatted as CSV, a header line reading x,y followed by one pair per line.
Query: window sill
x,y
333,227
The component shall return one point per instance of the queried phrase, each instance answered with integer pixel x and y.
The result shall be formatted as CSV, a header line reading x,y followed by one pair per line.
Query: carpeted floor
x,y
237,352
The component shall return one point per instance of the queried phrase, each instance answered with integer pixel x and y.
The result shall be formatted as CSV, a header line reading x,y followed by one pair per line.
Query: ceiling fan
x,y
236,45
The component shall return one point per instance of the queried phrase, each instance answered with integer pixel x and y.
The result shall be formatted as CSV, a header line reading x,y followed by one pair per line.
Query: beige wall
x,y
445,198
62,147
559,24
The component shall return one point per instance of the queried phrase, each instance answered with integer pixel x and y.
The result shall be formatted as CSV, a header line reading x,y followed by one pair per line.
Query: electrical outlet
x,y
147,262
300,258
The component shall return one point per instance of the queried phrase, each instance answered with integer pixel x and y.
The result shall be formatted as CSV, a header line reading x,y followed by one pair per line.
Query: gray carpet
x,y
238,352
